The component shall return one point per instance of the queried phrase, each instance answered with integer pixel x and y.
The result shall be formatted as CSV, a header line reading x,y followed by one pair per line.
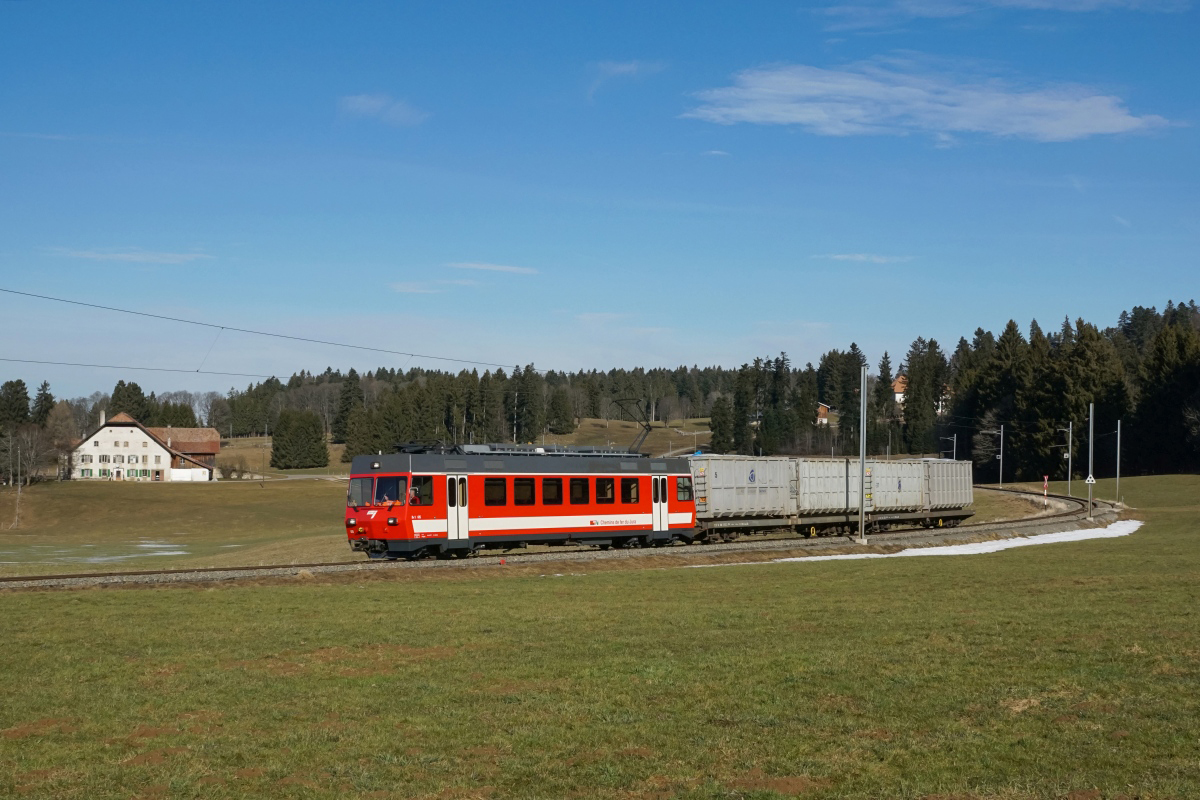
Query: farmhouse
x,y
122,449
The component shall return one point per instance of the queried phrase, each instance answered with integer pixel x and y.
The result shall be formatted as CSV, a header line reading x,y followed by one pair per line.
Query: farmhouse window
x,y
104,459
158,459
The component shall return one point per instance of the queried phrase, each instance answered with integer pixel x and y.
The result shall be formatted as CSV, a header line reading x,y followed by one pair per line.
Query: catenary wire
x,y
253,332
140,369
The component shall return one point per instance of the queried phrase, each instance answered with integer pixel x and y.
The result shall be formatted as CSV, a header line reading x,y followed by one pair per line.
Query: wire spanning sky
x,y
582,185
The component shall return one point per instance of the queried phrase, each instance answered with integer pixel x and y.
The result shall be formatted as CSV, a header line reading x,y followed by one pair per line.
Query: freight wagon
x,y
748,494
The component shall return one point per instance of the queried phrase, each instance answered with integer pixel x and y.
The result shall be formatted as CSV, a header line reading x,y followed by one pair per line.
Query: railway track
x,y
1075,514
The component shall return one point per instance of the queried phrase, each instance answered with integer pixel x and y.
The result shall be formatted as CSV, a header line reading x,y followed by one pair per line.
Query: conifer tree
x,y
351,397
129,398
43,404
743,408
298,441
561,415
721,424
14,405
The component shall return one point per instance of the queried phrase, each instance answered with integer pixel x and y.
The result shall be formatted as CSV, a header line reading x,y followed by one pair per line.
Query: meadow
x,y
1043,672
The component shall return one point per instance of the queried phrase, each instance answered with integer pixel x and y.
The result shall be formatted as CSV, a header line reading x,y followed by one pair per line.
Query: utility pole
x,y
1001,456
1091,480
1070,432
1118,461
954,439
862,458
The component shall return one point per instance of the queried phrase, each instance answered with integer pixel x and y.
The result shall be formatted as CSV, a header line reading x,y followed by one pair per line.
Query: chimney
x,y
102,418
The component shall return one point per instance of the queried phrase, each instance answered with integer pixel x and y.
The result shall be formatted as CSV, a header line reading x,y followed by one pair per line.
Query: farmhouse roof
x,y
122,419
206,441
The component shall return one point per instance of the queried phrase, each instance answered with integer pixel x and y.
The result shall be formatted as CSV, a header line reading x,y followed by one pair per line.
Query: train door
x,y
658,498
457,517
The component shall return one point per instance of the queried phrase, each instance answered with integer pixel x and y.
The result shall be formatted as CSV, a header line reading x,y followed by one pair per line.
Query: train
x,y
456,500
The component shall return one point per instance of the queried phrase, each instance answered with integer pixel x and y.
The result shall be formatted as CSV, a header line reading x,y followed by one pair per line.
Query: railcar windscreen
x,y
390,489
683,489
359,493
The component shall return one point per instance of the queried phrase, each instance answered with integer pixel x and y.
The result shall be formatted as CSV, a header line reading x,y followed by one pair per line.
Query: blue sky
x,y
583,185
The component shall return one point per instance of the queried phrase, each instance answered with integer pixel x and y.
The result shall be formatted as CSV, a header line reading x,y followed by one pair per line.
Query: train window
x,y
389,489
421,493
552,491
495,492
452,492
579,491
605,491
629,490
683,489
359,493
523,492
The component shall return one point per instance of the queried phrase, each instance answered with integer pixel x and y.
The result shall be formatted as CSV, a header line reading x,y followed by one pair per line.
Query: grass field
x,y
1042,672
91,526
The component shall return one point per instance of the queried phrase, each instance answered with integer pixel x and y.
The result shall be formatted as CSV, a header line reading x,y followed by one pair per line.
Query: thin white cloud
x,y
887,13
1122,221
131,255
600,317
384,108
413,288
492,267
460,282
895,97
607,70
865,258
715,153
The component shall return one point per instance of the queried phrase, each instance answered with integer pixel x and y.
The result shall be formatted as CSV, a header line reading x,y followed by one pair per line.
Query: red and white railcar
x,y
457,500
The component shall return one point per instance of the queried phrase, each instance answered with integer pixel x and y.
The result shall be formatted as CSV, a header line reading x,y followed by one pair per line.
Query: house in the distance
x,y
122,449
899,387
822,414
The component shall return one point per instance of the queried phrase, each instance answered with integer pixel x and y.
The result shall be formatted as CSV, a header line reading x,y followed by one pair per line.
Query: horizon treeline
x,y
1144,371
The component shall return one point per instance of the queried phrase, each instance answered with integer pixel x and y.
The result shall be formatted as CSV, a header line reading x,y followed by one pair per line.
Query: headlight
x,y
350,523
391,520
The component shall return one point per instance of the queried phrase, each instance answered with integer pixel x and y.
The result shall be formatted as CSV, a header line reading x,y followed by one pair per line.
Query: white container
x,y
897,485
744,486
828,485
948,484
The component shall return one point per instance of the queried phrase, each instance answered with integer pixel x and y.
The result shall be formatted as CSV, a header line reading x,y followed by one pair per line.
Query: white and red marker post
x,y
1045,491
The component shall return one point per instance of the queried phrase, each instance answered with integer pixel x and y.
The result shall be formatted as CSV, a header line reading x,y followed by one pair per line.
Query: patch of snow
x,y
1120,528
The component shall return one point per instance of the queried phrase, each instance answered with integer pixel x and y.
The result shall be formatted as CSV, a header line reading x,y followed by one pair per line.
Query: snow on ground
x,y
1121,528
